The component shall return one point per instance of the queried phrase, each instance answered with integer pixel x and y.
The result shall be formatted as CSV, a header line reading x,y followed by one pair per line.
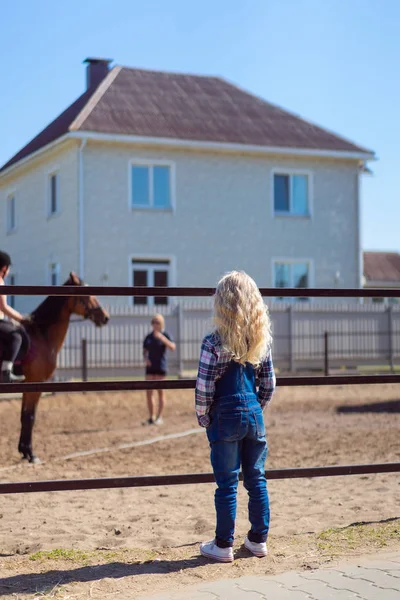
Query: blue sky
x,y
335,62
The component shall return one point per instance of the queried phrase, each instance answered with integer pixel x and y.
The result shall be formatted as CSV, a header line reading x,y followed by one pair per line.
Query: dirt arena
x,y
306,427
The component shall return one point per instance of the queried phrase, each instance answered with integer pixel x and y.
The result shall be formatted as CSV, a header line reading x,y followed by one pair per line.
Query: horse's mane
x,y
48,312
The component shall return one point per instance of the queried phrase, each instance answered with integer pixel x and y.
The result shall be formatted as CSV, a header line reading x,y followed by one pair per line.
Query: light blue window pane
x,y
282,275
281,193
140,186
300,195
162,186
300,275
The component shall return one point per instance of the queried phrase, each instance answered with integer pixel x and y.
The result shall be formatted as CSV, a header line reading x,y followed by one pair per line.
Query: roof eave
x,y
376,283
190,144
358,155
23,161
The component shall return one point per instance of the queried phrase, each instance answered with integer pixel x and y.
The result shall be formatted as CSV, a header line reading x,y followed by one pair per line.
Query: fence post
x,y
390,338
326,354
290,329
84,359
179,340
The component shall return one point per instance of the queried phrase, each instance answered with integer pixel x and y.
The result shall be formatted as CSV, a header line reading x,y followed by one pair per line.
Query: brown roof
x,y
54,130
382,266
186,107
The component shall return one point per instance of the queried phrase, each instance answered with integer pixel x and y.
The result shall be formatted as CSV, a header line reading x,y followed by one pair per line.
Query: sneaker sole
x,y
257,554
217,558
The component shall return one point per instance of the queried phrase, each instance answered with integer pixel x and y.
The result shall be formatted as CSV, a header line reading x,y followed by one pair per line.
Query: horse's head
x,y
87,307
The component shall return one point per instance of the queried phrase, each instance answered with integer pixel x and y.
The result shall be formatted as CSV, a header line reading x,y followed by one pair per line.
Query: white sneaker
x,y
159,421
258,549
211,550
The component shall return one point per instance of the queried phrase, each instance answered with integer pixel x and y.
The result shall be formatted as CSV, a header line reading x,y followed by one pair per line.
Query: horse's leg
x,y
28,411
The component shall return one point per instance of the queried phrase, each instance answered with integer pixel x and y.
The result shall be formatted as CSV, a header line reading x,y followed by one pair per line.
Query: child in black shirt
x,y
154,352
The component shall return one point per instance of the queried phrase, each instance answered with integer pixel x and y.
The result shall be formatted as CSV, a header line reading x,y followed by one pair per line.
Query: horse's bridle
x,y
90,311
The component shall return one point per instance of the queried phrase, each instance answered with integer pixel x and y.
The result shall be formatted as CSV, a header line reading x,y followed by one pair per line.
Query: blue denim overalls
x,y
237,437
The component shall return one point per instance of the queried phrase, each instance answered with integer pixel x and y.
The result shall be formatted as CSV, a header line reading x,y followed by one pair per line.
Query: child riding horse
x,y
13,337
47,328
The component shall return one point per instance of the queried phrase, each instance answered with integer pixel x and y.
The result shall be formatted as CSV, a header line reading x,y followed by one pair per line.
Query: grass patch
x,y
103,556
336,541
62,554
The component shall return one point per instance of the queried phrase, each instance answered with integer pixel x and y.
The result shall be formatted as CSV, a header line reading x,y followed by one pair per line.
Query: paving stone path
x,y
367,579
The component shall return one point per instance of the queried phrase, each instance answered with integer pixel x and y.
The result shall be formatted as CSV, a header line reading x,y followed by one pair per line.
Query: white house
x,y
171,179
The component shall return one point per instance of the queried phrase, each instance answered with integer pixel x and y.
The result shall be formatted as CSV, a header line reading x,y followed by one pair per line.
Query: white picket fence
x,y
359,334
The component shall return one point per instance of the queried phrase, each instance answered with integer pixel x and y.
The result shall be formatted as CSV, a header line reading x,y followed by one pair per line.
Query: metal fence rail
x,y
192,292
185,384
63,485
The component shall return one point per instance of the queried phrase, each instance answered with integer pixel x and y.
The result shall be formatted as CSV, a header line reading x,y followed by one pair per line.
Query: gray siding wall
x,y
223,218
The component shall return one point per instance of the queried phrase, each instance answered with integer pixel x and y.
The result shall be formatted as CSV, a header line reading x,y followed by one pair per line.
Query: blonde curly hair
x,y
241,318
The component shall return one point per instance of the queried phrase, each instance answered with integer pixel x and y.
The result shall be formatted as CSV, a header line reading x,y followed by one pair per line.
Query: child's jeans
x,y
237,436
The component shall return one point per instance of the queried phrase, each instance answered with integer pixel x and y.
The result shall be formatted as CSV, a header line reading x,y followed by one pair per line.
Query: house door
x,y
149,273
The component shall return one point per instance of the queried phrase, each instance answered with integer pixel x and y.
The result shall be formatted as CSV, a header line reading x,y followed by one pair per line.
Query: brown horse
x,y
47,329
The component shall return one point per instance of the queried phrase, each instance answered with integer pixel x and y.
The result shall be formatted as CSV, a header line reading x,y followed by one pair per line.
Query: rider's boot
x,y
7,375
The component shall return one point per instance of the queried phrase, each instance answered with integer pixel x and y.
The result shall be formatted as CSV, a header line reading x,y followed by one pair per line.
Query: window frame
x,y
290,173
11,195
148,162
152,260
50,264
55,172
293,261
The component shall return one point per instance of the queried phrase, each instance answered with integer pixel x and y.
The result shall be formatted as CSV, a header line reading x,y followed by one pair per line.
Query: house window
x,y
11,214
291,274
54,274
151,186
53,194
149,273
291,194
12,280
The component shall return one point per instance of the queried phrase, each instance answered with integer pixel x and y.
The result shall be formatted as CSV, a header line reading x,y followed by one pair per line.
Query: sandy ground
x,y
306,427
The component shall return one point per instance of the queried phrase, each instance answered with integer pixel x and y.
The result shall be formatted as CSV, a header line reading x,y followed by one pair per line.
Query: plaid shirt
x,y
214,361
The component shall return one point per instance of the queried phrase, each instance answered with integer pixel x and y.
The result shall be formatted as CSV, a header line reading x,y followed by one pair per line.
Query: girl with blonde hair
x,y
229,405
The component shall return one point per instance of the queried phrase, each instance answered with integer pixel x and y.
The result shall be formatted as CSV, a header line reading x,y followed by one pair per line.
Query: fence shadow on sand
x,y
391,406
34,583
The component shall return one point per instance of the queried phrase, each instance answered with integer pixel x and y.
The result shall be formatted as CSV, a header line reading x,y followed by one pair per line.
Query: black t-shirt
x,y
156,351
